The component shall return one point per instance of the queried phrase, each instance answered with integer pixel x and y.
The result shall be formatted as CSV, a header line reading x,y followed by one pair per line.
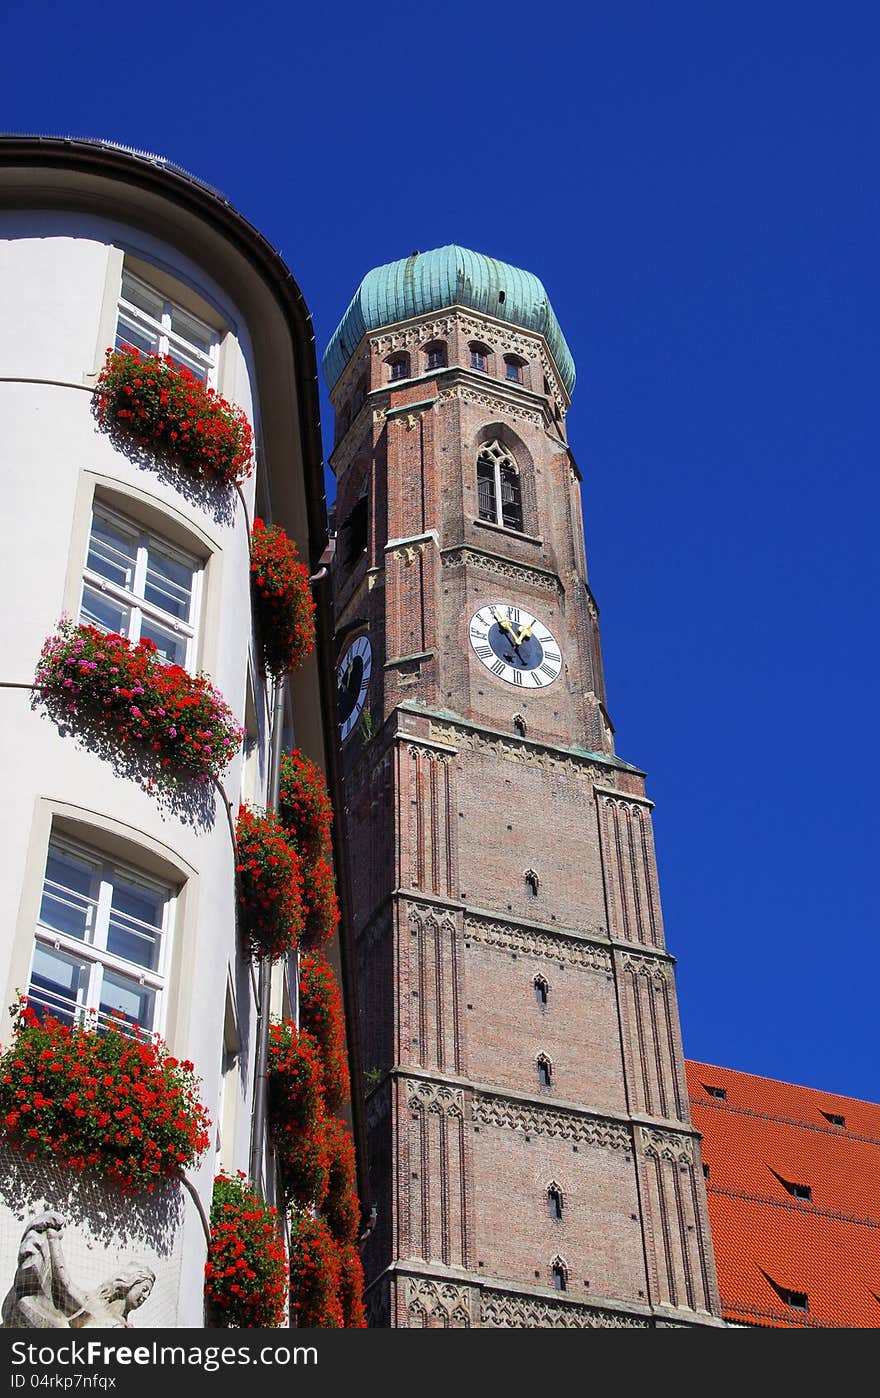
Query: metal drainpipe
x,y
264,984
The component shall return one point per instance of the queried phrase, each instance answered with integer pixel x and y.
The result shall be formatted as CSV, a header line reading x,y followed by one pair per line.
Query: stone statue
x,y
42,1296
107,1307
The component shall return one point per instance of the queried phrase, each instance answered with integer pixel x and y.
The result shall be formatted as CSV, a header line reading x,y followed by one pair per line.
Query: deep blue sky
x,y
696,184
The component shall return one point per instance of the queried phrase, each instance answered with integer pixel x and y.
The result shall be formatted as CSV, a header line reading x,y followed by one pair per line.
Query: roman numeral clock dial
x,y
352,683
515,646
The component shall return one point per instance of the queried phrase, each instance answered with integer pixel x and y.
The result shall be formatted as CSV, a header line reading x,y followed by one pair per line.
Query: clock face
x,y
352,683
515,646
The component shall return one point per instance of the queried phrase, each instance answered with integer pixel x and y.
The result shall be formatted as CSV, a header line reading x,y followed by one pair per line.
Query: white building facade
x,y
116,896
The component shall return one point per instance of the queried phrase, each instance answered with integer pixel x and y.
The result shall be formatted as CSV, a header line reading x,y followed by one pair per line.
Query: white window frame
x,y
133,598
93,949
168,340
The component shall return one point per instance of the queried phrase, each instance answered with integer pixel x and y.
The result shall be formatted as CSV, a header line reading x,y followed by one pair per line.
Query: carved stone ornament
x,y
500,567
435,1298
507,341
428,754
43,1296
667,1145
494,402
421,334
548,1121
528,753
429,919
407,552
435,1097
526,941
645,967
499,1310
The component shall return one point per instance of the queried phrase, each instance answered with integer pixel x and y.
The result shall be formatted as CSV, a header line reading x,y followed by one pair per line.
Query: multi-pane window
x,y
140,587
101,943
398,367
436,356
479,357
499,499
152,324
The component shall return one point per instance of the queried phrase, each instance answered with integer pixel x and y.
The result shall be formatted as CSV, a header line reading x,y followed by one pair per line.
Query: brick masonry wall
x,y
448,806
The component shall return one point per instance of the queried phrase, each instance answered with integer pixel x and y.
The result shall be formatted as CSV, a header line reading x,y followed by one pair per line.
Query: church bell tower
x,y
531,1149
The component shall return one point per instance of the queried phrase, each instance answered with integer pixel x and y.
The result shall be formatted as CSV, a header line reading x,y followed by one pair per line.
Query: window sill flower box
x,y
148,401
101,1099
129,695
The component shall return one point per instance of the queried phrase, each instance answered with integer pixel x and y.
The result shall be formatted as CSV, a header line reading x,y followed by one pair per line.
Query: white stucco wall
x,y
56,275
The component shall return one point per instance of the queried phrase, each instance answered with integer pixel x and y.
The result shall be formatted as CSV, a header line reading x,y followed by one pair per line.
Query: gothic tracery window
x,y
498,486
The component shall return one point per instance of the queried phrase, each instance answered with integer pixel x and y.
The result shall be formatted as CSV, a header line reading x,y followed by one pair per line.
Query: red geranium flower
x,y
246,1272
150,401
282,599
144,1121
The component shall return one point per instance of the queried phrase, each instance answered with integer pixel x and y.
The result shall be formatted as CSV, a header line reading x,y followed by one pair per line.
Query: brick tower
x,y
531,1149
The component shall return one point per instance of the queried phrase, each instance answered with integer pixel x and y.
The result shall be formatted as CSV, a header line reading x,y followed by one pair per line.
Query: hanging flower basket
x,y
282,599
321,1014
297,1113
296,1087
127,694
315,1274
351,1288
150,402
321,905
304,805
246,1273
304,1161
271,911
340,1207
109,1102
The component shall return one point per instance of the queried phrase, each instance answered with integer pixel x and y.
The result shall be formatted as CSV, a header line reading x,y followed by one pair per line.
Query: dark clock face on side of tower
x,y
515,645
352,683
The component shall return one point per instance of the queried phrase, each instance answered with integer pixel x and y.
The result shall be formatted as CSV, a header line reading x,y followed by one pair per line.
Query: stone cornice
x,y
551,944
467,555
463,734
496,1108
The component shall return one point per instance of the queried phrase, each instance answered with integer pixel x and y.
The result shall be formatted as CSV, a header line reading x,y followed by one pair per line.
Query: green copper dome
x,y
450,276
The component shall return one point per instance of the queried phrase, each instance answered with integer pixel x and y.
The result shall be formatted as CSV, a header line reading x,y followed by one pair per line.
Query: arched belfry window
x,y
554,1200
498,486
542,990
545,1070
532,883
560,1274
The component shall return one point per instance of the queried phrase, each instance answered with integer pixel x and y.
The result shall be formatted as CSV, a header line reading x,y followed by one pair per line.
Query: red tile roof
x,y
763,1136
